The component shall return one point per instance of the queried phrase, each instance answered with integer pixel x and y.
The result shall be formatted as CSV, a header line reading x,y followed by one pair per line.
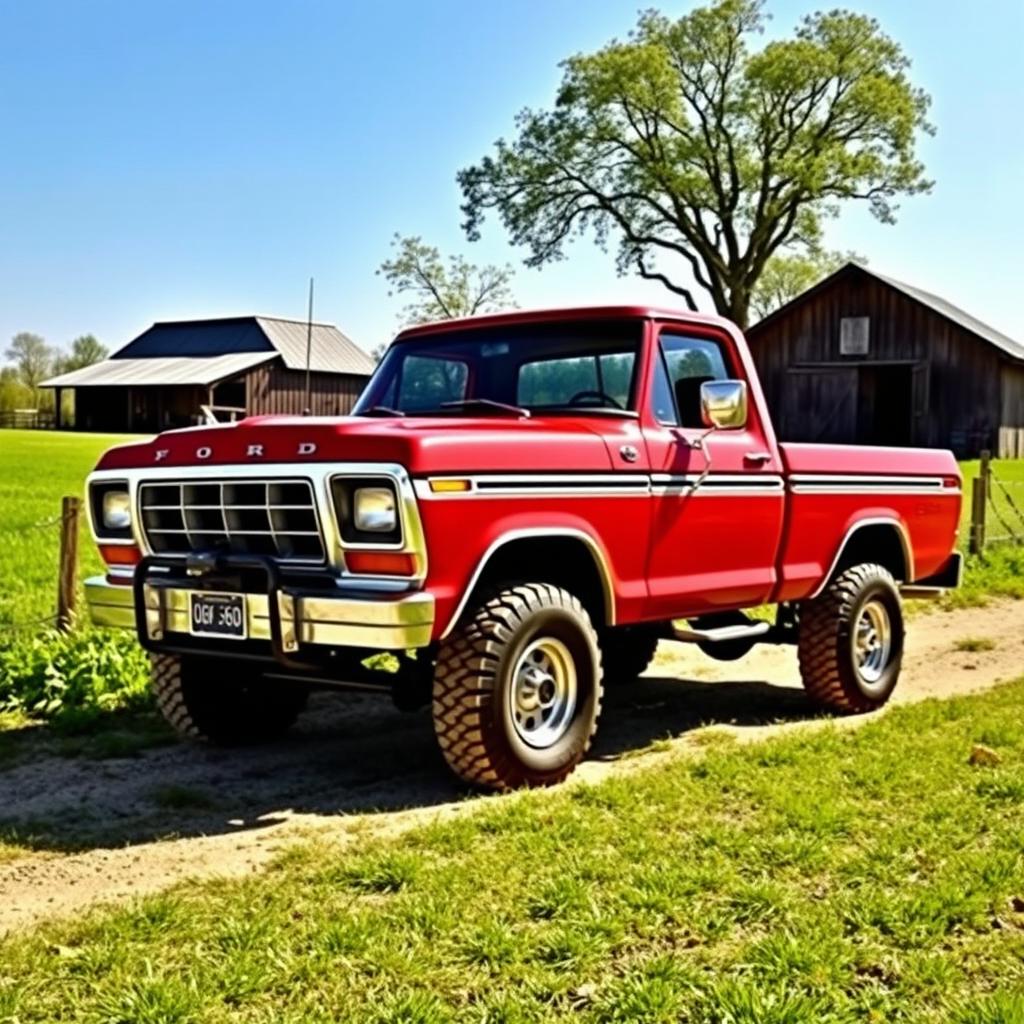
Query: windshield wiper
x,y
382,410
486,403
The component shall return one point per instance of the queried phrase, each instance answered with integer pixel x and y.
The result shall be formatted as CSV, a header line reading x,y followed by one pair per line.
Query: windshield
x,y
540,368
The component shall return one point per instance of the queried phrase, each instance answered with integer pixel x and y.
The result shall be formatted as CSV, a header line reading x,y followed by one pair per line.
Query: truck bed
x,y
835,488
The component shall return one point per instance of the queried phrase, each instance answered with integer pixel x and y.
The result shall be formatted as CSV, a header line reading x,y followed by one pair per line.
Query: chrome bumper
x,y
383,624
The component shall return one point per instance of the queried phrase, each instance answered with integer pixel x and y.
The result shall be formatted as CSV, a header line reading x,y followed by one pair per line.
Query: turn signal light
x,y
450,486
120,554
380,563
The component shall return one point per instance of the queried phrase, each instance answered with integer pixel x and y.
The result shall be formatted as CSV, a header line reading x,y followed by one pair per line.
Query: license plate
x,y
217,615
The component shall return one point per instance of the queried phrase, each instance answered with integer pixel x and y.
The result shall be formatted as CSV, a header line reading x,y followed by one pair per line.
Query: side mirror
x,y
723,404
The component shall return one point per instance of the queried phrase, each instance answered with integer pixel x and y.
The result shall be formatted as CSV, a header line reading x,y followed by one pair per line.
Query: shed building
x,y
863,359
174,372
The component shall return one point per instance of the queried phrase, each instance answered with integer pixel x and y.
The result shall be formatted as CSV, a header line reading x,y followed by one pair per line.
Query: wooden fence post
x,y
979,503
67,579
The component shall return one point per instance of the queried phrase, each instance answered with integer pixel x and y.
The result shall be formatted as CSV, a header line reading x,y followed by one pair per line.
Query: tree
x,y
686,142
787,275
441,291
32,358
85,350
13,394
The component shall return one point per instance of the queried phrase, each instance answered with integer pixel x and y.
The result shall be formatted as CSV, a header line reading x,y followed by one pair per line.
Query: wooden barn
x,y
863,359
181,373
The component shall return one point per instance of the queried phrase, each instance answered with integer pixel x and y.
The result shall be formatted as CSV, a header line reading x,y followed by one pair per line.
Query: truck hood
x,y
421,445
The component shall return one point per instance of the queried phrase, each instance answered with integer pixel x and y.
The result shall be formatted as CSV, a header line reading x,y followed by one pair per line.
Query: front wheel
x,y
212,701
517,689
851,640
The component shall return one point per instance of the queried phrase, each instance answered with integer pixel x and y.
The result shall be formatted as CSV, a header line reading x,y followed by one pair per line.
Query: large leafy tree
x,y
441,289
701,155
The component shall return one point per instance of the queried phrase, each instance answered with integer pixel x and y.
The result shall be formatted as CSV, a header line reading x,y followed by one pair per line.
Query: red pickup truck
x,y
519,508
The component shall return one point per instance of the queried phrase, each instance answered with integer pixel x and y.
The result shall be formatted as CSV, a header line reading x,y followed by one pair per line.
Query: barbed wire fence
x,y
67,523
997,508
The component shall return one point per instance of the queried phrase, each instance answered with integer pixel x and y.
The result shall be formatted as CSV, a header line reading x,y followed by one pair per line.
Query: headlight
x,y
111,511
367,510
375,510
117,511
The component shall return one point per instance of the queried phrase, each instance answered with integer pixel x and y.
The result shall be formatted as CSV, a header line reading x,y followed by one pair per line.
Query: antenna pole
x,y
309,348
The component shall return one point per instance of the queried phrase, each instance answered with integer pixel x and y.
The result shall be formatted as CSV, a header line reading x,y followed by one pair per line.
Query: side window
x,y
428,381
684,364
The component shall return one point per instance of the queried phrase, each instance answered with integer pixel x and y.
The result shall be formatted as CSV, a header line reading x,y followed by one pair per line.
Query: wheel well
x,y
566,562
880,543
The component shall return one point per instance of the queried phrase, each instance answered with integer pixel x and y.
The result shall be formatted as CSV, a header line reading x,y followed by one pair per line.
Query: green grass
x,y
1000,571
832,876
974,644
37,468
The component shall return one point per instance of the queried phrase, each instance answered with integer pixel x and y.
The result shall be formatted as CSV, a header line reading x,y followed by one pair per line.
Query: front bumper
x,y
387,623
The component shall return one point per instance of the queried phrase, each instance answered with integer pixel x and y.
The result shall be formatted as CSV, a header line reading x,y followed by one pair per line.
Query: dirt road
x,y
118,828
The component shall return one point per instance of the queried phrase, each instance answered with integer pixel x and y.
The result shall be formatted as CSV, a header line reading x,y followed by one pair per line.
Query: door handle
x,y
758,458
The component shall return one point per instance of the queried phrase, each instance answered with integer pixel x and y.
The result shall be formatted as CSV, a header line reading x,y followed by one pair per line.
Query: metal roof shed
x,y
170,373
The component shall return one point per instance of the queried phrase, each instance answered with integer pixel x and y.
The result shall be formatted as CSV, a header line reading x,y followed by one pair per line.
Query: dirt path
x,y
354,763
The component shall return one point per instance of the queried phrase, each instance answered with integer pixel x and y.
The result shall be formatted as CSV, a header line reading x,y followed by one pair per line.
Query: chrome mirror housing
x,y
723,404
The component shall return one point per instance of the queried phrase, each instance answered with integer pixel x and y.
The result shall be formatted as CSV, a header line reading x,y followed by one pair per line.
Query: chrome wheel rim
x,y
542,698
872,642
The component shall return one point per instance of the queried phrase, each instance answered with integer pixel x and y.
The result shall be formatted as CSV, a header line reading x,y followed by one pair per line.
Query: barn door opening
x,y
885,405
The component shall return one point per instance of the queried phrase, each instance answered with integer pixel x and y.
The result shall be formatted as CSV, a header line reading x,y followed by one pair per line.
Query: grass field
x,y
37,468
833,876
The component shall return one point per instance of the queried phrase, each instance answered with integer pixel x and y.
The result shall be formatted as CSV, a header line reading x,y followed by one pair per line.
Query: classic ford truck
x,y
519,508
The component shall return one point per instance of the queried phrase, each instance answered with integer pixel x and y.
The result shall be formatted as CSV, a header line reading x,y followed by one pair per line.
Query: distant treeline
x,y
31,360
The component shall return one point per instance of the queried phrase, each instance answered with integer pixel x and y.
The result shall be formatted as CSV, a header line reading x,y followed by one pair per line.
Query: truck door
x,y
718,496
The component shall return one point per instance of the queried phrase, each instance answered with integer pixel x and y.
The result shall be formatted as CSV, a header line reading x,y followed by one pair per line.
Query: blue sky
x,y
179,159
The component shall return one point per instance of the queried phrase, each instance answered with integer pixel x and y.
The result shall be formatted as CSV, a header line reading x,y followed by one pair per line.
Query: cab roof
x,y
531,316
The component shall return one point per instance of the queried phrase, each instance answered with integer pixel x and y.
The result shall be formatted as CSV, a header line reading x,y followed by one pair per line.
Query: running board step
x,y
720,634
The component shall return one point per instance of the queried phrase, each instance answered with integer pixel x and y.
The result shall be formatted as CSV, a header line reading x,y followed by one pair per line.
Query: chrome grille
x,y
263,517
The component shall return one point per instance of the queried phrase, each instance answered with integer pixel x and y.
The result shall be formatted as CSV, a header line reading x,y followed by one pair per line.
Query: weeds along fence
x,y
67,523
997,508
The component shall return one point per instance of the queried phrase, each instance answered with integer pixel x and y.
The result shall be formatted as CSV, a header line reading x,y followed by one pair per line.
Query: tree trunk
x,y
738,310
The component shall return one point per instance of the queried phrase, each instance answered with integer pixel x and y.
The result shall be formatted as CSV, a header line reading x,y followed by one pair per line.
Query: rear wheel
x,y
517,689
202,701
851,640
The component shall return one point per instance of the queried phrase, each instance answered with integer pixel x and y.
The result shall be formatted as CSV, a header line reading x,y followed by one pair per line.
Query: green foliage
x,y
686,141
13,394
787,275
72,678
32,358
834,876
443,290
85,350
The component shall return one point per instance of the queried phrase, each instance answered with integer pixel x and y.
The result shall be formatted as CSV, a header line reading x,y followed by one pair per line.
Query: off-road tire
x,y
627,651
203,701
473,684
826,642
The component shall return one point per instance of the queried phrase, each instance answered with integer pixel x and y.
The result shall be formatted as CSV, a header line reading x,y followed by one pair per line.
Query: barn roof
x,y
205,351
960,317
160,370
